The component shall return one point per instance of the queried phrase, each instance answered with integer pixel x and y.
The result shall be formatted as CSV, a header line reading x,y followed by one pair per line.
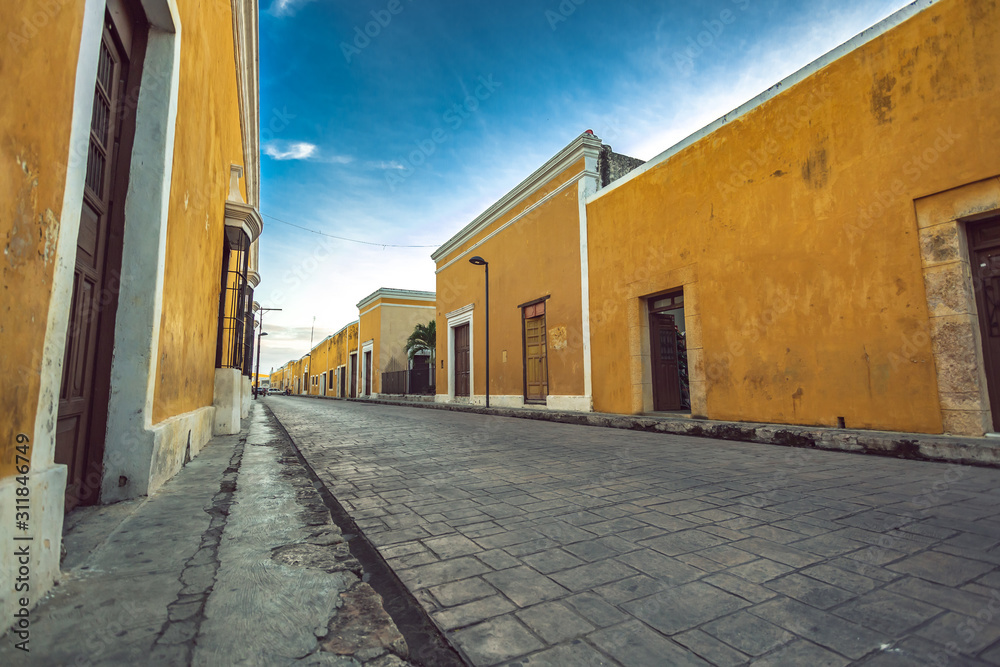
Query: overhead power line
x,y
342,238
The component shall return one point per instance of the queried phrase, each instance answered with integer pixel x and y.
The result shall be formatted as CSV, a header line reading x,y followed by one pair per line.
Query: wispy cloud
x,y
302,150
383,164
286,7
289,150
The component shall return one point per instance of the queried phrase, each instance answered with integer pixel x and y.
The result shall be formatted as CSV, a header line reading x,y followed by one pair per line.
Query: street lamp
x,y
256,379
479,261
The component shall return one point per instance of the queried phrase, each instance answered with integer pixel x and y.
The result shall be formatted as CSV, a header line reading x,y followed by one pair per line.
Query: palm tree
x,y
423,338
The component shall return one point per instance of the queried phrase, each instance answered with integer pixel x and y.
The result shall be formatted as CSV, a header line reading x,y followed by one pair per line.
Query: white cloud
x,y
391,164
337,159
286,7
290,150
302,150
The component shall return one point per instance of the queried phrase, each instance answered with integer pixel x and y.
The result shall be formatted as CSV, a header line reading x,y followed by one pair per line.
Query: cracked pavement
x,y
537,543
234,561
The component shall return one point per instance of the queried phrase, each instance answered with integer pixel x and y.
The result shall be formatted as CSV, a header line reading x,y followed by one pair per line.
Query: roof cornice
x,y
585,145
246,39
390,293
856,42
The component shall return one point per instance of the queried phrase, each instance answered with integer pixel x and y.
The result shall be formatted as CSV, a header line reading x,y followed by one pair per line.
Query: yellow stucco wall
x,y
38,59
207,142
796,222
536,256
370,328
320,356
329,354
388,328
397,325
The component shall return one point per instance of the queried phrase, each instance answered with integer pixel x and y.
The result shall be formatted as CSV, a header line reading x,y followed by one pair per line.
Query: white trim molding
x,y
130,440
586,143
457,318
576,178
391,293
367,346
844,49
239,214
569,403
394,305
246,41
587,185
506,401
460,311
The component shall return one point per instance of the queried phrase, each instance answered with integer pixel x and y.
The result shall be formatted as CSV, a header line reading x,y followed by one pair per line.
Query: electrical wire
x,y
342,238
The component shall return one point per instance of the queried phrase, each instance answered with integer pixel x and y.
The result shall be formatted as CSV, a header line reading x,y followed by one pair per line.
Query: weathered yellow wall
x,y
797,220
207,142
38,59
320,361
370,329
537,255
397,325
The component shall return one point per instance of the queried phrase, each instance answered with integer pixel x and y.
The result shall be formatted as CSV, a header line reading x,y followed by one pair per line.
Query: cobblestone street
x,y
544,543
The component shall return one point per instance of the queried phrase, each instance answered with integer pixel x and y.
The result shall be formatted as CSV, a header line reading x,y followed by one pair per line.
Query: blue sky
x,y
397,122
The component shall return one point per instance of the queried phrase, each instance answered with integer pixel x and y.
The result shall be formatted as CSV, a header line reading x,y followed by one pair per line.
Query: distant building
x,y
386,319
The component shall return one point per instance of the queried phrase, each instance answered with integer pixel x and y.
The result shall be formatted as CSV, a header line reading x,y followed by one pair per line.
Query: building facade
x,y
535,242
116,324
386,318
821,245
822,255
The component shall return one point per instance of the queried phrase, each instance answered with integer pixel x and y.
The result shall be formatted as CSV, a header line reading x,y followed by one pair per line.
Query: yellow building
x,y
278,380
298,371
817,256
534,241
818,241
386,318
330,359
103,402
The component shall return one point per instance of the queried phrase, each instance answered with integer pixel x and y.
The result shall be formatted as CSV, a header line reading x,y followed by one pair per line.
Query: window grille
x,y
234,302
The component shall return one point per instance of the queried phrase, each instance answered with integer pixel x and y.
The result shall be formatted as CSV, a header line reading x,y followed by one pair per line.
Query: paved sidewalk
x,y
235,561
535,543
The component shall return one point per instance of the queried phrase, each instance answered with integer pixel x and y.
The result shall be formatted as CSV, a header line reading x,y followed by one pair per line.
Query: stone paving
x,y
234,561
537,543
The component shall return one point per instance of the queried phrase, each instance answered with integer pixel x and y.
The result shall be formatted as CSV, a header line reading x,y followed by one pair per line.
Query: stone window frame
x,y
953,316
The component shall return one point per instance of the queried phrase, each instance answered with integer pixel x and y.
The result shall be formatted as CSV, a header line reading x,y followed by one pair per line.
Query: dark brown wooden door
x,y
663,348
354,376
368,373
462,360
536,381
343,383
984,248
86,372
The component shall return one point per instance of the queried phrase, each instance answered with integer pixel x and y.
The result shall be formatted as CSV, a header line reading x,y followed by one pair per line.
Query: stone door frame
x,y
951,302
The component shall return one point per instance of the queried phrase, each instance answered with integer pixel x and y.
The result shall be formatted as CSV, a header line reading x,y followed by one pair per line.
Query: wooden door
x,y
368,373
354,376
663,348
86,371
536,381
343,383
462,360
984,248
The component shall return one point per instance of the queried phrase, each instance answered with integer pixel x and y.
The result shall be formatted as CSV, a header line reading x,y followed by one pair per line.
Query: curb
x,y
914,446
